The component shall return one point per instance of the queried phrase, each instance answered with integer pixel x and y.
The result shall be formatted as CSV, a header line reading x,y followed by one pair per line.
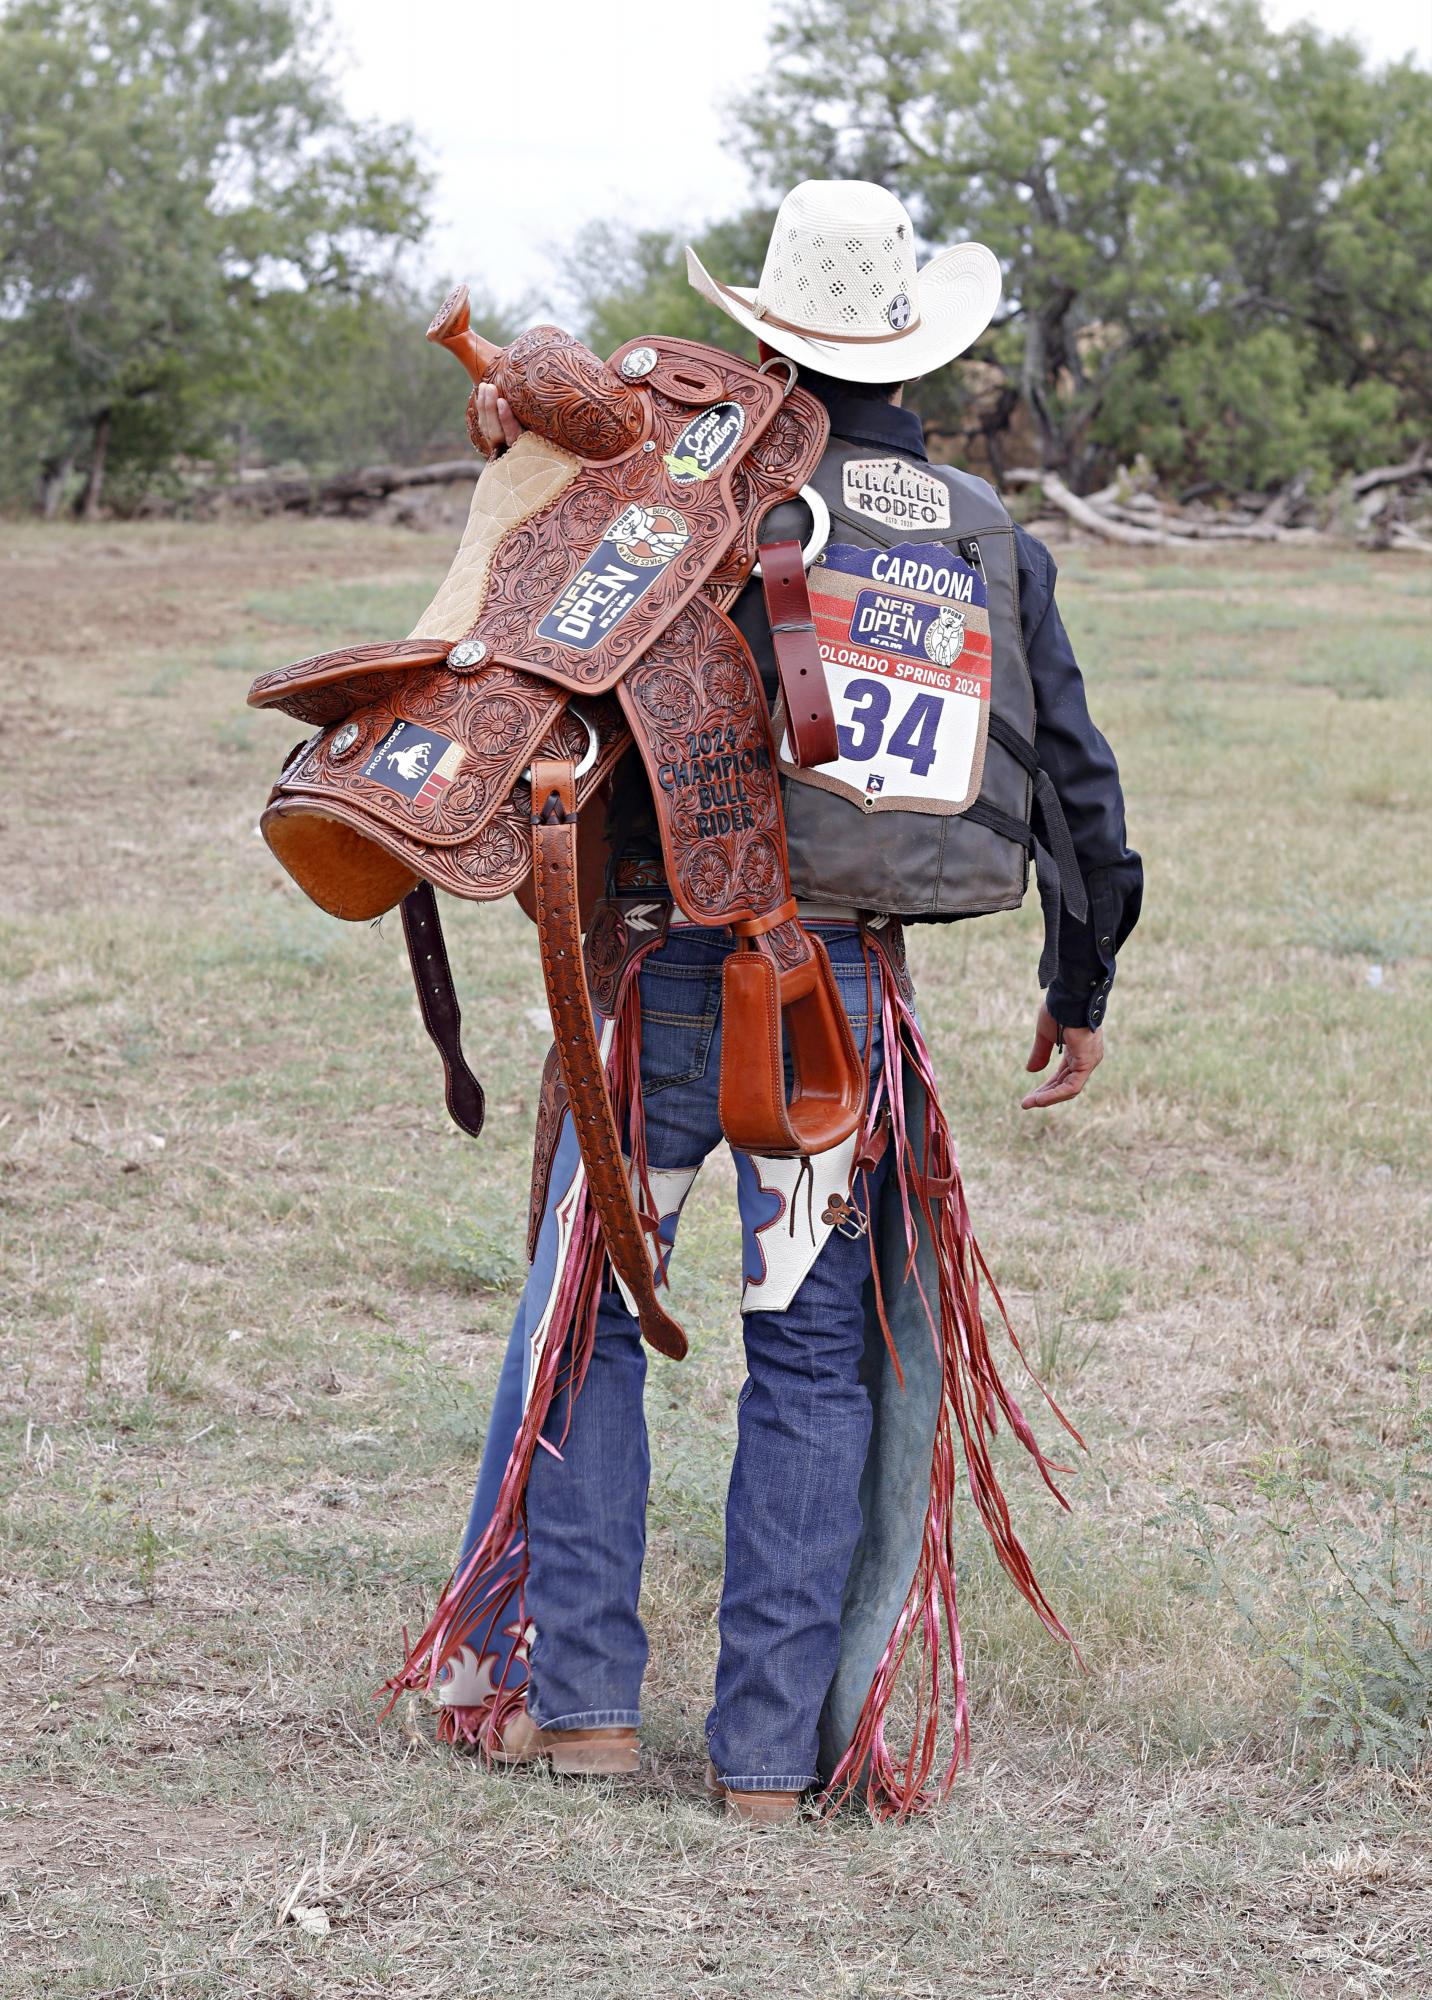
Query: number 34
x,y
912,738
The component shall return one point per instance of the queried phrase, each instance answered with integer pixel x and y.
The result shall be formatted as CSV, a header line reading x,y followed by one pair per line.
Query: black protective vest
x,y
924,865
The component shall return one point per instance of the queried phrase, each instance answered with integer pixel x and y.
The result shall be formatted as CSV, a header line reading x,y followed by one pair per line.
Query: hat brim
x,y
956,296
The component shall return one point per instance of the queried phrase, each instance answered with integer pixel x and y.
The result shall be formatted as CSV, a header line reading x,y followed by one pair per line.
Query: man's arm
x,y
1084,774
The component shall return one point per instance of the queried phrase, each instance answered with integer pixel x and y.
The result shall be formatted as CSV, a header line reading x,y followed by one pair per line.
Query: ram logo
x,y
945,638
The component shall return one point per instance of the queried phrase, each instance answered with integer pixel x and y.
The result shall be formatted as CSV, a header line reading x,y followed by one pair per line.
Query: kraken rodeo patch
x,y
904,634
895,493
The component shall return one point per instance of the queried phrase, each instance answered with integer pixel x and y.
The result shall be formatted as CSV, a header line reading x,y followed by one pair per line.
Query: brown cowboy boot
x,y
755,1808
572,1753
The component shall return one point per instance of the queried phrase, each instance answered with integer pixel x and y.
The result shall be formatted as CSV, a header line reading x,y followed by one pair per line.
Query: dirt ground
x,y
253,1295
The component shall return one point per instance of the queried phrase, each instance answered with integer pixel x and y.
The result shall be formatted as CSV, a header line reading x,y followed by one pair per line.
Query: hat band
x,y
768,318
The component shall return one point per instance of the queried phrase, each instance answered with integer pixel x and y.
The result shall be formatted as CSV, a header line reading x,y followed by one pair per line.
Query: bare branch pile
x,y
1386,507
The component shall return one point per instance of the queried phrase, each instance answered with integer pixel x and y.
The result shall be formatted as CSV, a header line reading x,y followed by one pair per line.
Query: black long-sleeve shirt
x,y
1079,761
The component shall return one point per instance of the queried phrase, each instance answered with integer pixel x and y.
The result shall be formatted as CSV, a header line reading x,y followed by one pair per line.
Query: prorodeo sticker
x,y
418,763
632,554
896,493
904,634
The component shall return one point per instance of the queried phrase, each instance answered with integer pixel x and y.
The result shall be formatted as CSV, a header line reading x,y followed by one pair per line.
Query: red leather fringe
x,y
481,1728
472,1594
974,1397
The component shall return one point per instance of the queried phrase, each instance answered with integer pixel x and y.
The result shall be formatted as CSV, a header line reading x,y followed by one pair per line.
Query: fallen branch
x,y
1400,536
364,487
1419,466
1127,513
1083,515
1210,528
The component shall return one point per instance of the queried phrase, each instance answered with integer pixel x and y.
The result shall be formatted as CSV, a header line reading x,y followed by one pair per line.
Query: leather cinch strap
x,y
437,999
559,934
810,720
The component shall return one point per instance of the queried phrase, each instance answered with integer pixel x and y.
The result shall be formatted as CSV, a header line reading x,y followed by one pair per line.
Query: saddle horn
x,y
556,387
452,329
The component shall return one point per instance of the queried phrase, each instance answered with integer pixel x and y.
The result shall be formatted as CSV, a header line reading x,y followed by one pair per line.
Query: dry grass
x,y
254,1294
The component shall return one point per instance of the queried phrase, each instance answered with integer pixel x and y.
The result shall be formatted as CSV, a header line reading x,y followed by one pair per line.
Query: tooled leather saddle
x,y
586,610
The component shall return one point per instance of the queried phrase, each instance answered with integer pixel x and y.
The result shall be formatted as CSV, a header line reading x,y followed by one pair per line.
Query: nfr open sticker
x,y
904,634
635,550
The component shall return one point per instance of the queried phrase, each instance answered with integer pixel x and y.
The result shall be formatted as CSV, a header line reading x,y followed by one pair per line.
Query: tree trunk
x,y
88,505
53,474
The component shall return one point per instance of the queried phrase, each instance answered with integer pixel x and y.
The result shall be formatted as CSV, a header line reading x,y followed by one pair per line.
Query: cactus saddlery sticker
x,y
904,635
896,493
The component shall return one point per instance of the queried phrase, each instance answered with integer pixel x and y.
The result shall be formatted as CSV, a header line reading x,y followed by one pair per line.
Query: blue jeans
x,y
803,1427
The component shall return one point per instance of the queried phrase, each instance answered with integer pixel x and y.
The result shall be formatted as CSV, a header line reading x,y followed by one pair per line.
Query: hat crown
x,y
841,260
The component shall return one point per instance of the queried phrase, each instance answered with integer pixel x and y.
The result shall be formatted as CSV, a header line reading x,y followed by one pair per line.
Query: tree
x,y
171,173
625,282
351,378
1181,197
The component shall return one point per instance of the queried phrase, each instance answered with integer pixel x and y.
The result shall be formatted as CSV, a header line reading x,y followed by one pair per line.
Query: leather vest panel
x,y
911,864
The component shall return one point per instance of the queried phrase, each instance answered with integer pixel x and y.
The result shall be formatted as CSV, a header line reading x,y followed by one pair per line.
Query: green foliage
x,y
1216,237
626,282
351,378
170,170
1245,412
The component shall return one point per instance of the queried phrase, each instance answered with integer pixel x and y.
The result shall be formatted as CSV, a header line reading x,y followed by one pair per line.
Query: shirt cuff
x,y
1079,1002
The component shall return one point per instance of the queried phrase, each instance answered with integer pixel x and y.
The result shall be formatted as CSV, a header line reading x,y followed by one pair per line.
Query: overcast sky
x,y
613,111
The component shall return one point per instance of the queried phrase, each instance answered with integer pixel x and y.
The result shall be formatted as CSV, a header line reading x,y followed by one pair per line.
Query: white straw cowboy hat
x,y
840,291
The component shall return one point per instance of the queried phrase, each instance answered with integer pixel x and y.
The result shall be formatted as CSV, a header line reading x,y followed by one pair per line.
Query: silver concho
x,y
343,739
639,362
467,653
898,311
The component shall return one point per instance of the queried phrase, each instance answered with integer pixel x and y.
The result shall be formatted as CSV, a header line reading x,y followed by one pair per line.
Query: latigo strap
x,y
810,719
559,933
437,998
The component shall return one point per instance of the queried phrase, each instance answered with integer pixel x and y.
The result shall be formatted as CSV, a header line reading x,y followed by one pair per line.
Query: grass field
x,y
254,1292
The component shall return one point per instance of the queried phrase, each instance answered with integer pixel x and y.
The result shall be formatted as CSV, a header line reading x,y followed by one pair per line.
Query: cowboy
x,y
966,748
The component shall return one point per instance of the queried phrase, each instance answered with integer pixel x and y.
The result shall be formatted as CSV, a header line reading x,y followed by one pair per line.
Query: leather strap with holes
x,y
810,720
437,1000
559,935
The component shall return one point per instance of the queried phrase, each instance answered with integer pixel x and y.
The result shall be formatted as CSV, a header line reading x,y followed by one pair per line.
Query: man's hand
x,y
1083,1053
496,424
